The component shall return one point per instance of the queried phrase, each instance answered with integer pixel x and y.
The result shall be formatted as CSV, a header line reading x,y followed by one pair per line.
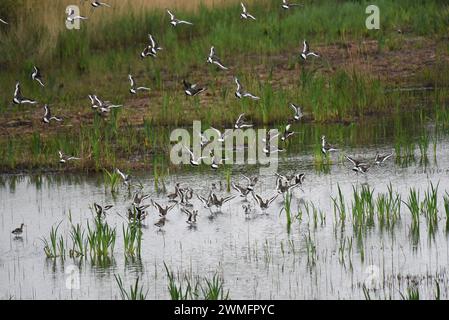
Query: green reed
x,y
388,208
54,246
79,241
430,208
111,179
214,289
135,292
446,210
101,238
340,206
193,288
414,206
363,208
132,238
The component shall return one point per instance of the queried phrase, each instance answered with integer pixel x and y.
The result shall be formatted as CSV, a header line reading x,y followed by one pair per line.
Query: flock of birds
x,y
182,196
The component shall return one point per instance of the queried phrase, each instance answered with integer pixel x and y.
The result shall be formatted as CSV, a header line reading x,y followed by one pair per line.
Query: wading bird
x,y
263,204
191,215
355,162
382,158
163,210
101,211
18,231
361,168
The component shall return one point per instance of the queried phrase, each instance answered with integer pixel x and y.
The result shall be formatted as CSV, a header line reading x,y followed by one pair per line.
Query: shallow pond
x,y
257,256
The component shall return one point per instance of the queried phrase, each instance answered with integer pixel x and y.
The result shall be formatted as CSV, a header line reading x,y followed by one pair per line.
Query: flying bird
x,y
152,49
174,22
48,117
245,15
263,204
134,88
125,177
241,122
193,161
298,112
240,93
37,76
71,17
3,21
97,4
213,59
286,5
326,147
306,51
287,133
19,99
64,158
192,89
382,158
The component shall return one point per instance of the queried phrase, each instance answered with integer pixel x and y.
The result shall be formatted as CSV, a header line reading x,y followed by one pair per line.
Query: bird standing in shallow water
x,y
18,231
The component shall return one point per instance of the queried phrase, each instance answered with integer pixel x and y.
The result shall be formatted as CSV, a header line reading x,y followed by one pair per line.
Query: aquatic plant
x,y
135,291
214,289
132,238
340,206
111,179
101,239
414,206
79,241
54,247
